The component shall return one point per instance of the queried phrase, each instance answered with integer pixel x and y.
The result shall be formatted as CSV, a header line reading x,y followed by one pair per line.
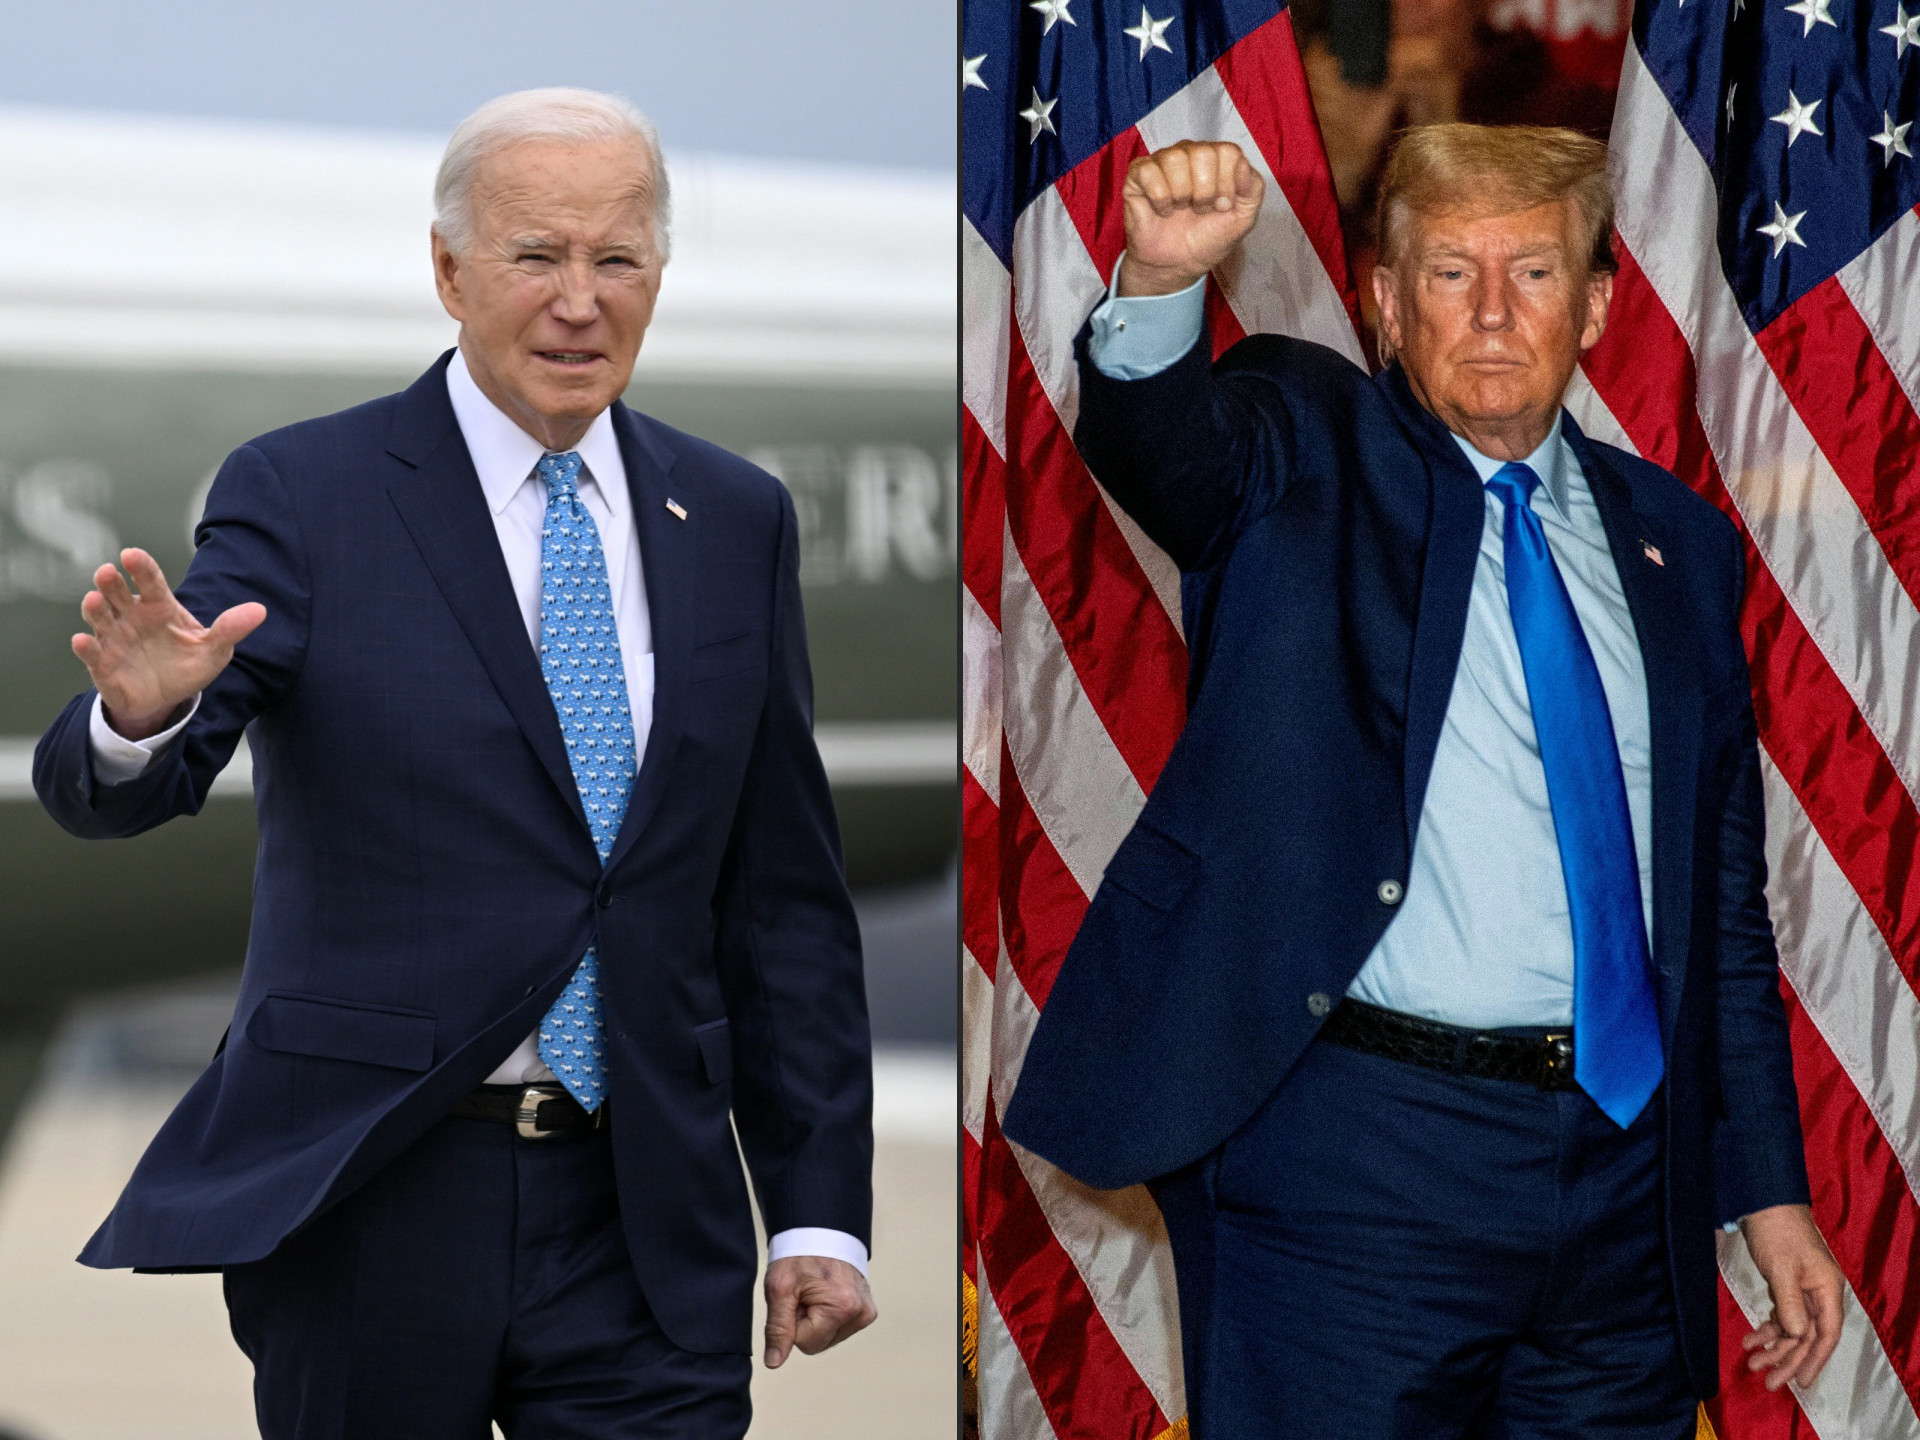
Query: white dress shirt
x,y
505,457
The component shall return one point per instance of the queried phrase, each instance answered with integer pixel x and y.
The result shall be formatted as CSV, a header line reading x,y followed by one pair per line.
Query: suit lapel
x,y
1668,649
1454,525
1669,656
440,501
668,553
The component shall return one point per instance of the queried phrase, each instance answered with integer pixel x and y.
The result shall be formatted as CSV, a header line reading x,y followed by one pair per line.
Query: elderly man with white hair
x,y
549,902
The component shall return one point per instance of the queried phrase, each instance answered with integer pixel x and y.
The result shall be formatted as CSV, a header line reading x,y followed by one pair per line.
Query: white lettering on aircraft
x,y
53,535
869,513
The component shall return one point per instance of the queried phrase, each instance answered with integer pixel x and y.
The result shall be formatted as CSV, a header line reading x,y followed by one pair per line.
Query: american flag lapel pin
x,y
1652,552
680,511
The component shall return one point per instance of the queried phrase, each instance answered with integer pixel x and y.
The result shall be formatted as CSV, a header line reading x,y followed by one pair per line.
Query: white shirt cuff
x,y
1135,336
117,759
833,1244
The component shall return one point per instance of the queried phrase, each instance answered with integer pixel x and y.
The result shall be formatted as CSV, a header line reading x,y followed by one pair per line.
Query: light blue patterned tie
x,y
580,658
1616,1020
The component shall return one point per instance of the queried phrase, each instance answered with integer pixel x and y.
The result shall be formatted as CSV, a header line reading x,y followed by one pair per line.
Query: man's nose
x,y
1492,305
576,302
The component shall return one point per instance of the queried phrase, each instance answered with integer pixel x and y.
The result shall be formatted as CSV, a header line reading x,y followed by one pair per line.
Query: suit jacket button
x,y
1390,892
605,898
1318,1004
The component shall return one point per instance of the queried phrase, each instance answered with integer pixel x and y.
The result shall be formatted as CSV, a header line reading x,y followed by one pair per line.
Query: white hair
x,y
557,113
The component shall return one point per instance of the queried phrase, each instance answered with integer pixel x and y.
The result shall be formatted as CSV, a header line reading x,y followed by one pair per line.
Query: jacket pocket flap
x,y
729,655
343,1030
1153,867
716,1050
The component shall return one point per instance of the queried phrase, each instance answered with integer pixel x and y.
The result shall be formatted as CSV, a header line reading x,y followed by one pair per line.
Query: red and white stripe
x,y
1074,676
1074,665
1809,437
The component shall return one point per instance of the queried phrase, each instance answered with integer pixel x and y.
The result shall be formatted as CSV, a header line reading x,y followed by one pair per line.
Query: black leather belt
x,y
1543,1060
537,1112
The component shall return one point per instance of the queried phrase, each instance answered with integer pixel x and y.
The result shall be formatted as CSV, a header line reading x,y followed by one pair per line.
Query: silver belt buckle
x,y
526,1115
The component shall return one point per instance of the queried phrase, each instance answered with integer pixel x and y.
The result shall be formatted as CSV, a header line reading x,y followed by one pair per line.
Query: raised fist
x,y
1188,206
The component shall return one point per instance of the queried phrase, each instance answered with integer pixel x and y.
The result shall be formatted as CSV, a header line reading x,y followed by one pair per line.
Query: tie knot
x,y
1514,483
562,473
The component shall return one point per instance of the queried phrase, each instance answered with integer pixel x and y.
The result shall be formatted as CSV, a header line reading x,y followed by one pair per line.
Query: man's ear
x,y
446,278
1387,299
1599,301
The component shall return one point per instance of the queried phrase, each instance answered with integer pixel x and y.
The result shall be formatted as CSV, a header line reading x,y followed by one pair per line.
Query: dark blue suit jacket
x,y
1327,528
427,882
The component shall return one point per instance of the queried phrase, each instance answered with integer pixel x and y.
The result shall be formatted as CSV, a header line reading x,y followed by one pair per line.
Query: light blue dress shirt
x,y
1483,937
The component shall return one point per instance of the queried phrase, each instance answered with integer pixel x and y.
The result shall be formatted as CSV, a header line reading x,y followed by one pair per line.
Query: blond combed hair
x,y
1478,170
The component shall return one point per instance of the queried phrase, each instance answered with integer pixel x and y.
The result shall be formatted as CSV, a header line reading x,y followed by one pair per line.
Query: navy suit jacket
x,y
427,882
1327,527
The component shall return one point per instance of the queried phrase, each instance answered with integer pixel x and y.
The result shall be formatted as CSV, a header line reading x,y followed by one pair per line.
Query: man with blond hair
x,y
1434,990
549,904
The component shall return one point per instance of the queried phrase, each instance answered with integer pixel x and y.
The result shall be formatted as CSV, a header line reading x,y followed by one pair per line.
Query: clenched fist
x,y
813,1303
1188,206
147,654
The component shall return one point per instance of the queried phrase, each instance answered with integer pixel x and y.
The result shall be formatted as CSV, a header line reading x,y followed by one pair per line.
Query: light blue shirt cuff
x,y
1135,336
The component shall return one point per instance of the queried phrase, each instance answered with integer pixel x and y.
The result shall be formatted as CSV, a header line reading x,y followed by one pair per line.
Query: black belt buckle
x,y
526,1113
1556,1062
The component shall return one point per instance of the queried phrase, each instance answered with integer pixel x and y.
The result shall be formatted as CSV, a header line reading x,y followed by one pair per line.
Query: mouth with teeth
x,y
572,358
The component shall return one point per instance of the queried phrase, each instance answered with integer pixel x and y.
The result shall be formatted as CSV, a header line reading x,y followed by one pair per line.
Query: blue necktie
x,y
580,658
1616,1023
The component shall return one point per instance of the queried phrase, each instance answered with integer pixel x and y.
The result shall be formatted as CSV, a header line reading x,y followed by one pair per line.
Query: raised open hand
x,y
147,654
1188,206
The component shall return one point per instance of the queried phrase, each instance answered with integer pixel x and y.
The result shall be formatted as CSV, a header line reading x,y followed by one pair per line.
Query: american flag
x,y
1075,668
1765,346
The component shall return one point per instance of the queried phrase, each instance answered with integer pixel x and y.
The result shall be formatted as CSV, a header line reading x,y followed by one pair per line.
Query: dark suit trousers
x,y
479,1278
1385,1252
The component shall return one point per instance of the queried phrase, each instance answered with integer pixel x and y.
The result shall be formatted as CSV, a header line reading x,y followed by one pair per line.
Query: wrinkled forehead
x,y
604,186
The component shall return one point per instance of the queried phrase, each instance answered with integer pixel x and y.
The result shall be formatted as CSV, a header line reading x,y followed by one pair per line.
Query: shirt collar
x,y
1548,462
504,455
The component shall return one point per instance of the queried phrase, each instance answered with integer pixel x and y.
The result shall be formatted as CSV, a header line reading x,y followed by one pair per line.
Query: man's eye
x,y
620,260
1451,274
1536,273
531,257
